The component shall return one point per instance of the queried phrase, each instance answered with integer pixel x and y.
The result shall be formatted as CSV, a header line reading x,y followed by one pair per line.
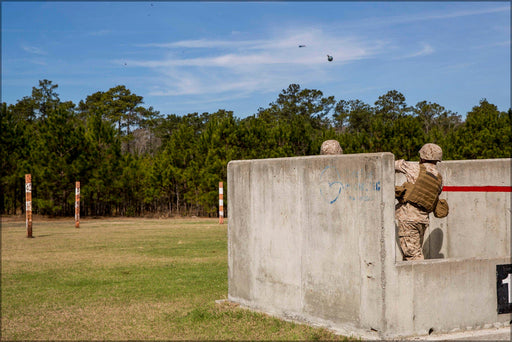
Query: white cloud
x,y
443,15
259,65
425,50
38,61
465,13
200,43
455,12
493,44
33,50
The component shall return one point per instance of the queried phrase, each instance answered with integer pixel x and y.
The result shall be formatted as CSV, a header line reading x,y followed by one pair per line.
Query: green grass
x,y
126,279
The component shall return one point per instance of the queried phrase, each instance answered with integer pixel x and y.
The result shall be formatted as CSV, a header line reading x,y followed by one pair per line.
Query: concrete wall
x,y
442,296
314,239
479,223
458,290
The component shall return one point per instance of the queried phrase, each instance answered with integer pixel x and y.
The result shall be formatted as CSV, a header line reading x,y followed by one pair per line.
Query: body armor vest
x,y
425,191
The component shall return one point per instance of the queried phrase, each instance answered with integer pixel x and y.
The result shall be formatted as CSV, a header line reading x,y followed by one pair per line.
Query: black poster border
x,y
502,289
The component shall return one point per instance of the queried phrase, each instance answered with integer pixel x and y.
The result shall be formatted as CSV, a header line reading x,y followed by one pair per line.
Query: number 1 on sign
x,y
508,281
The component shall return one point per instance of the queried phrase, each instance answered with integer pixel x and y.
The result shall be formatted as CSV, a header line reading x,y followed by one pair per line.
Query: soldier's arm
x,y
400,166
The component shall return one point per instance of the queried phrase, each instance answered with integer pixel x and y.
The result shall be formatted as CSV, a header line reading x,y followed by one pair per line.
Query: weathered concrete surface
x,y
443,296
313,239
478,225
487,334
298,235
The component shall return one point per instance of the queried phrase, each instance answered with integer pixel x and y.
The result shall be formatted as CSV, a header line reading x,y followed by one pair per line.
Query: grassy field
x,y
126,279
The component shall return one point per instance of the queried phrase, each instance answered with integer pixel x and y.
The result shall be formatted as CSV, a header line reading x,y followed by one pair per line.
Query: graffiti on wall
x,y
355,185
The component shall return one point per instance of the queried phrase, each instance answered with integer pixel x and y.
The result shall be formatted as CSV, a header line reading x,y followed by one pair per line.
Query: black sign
x,y
504,288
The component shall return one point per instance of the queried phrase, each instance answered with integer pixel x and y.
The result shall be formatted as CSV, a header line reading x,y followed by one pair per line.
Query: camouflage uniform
x,y
412,220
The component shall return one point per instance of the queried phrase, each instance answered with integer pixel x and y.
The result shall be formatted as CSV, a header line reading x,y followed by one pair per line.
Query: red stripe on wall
x,y
486,188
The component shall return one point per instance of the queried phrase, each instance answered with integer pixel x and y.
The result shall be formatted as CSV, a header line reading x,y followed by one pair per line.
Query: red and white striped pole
x,y
221,203
28,202
77,205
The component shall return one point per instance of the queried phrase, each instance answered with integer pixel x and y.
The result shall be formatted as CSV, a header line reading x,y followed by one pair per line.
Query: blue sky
x,y
185,57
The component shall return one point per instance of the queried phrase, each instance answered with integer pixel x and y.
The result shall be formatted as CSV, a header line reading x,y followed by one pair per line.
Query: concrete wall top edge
x,y
449,260
266,160
475,161
494,160
483,161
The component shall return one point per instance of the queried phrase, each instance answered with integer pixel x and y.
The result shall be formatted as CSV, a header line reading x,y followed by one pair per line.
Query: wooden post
x,y
221,203
28,202
77,205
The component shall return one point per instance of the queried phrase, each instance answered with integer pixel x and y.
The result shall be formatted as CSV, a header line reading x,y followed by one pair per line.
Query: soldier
x,y
331,147
420,197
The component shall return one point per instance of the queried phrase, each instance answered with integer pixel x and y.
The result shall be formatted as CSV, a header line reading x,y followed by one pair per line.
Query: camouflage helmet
x,y
431,152
331,147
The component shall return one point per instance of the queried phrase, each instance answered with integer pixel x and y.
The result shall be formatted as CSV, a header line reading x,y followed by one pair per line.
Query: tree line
x,y
132,161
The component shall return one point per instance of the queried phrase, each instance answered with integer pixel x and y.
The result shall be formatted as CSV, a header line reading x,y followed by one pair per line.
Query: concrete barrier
x,y
479,224
313,239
